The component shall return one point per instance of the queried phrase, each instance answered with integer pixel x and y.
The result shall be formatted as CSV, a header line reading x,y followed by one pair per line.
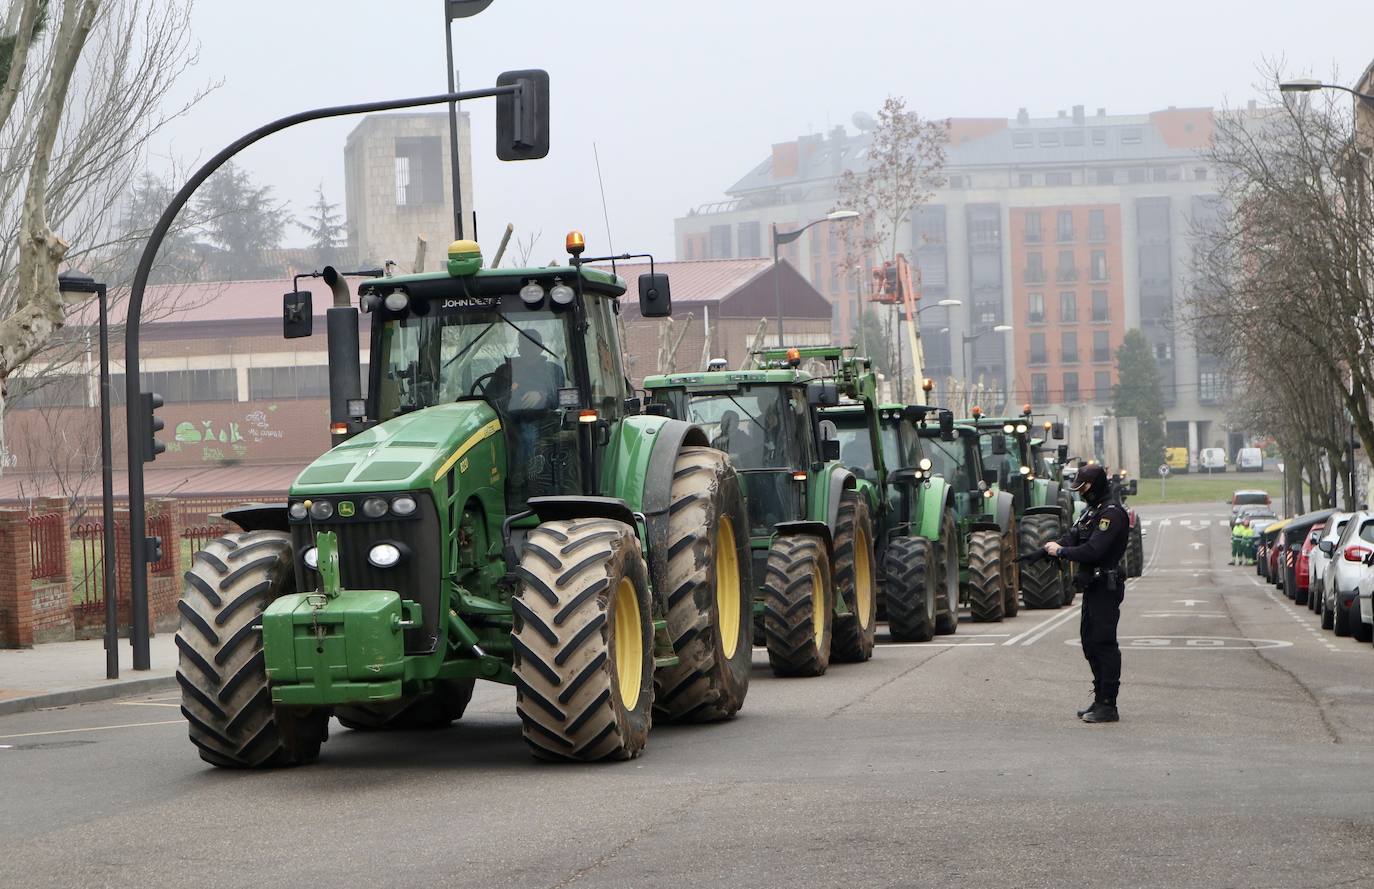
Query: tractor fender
x,y
830,485
1052,494
937,497
983,525
259,517
550,509
1002,509
1042,510
813,529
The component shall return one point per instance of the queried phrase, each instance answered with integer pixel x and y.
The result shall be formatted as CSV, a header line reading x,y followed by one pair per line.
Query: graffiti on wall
x,y
227,440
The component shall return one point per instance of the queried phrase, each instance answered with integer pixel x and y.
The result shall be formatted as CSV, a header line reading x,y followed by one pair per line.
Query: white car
x,y
1249,460
1349,578
1212,460
1318,560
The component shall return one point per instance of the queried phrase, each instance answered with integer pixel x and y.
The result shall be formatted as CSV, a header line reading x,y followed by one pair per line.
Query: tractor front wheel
x,y
583,641
798,606
911,605
220,664
1042,583
854,580
947,576
1135,552
1011,570
986,597
702,574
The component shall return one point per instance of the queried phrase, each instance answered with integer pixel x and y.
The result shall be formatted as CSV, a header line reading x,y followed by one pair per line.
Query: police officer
x,y
1097,542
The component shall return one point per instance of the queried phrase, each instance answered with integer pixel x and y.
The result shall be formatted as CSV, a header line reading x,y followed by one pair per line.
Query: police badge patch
x,y
1103,524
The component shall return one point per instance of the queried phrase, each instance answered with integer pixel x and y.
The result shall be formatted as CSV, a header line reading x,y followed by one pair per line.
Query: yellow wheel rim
x,y
629,646
727,587
863,580
817,607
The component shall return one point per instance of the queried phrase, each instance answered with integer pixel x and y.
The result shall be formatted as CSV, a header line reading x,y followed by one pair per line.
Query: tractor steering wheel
x,y
481,382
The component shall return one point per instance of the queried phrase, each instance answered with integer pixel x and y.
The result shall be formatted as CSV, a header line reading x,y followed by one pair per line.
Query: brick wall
x,y
16,582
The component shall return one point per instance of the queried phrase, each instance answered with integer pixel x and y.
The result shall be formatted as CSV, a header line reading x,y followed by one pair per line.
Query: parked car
x,y
1348,573
1176,459
1212,460
1249,460
1267,549
1318,562
1242,501
1289,544
1302,571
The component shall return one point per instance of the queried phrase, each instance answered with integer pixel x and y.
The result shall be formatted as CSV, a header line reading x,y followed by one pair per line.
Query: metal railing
x,y
45,546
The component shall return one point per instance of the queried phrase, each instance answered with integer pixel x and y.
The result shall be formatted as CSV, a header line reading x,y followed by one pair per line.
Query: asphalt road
x,y
1243,759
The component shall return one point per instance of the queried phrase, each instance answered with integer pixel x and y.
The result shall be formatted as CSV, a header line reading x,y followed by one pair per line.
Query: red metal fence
x,y
88,566
45,546
199,535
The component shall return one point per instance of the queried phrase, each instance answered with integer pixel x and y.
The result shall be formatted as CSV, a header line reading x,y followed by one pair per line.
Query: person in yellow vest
x,y
1247,552
1237,543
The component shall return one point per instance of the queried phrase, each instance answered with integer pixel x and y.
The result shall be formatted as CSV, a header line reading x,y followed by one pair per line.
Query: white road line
x,y
1066,618
145,704
1019,636
1185,521
1205,522
933,644
95,728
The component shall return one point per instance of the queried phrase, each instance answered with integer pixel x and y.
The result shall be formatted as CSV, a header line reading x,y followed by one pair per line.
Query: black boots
x,y
1103,711
1088,709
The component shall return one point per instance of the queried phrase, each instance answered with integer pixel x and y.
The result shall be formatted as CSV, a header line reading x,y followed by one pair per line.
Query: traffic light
x,y
153,550
153,425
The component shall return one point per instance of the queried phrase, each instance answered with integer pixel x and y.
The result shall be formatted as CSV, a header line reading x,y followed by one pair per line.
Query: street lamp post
x,y
968,352
74,283
456,9
780,238
1307,85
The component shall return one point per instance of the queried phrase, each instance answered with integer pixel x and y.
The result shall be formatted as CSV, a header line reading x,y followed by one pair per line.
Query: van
x,y
1176,459
1212,460
1249,460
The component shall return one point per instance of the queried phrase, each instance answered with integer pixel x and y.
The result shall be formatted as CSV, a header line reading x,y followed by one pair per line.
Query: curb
x,y
116,689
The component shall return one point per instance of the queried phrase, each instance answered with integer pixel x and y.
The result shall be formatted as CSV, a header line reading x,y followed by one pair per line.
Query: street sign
x,y
1163,470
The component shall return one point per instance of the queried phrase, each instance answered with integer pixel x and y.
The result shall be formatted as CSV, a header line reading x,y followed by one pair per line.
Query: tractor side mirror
x,y
1057,430
1062,452
822,393
657,409
999,444
990,477
655,299
1131,487
522,118
946,425
297,318
830,449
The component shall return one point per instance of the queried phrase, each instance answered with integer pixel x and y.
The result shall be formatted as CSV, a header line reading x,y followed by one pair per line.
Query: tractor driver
x,y
525,390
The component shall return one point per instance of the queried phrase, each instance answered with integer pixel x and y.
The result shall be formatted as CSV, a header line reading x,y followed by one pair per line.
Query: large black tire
x,y
986,599
1011,570
911,598
1135,552
798,606
946,565
439,708
1328,616
702,575
1359,630
220,666
1065,504
855,580
584,641
1340,620
1042,582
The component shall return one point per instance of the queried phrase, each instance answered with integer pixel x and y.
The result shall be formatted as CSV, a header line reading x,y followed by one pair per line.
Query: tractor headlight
x,y
375,507
532,294
925,464
384,555
1025,470
403,506
396,301
562,294
1020,427
321,510
1008,428
311,558
298,511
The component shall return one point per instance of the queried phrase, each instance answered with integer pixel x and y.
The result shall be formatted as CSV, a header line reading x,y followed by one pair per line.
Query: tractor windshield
x,y
1008,465
948,459
759,427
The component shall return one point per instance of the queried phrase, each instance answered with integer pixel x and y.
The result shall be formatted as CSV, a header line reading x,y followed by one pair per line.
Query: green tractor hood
x,y
408,452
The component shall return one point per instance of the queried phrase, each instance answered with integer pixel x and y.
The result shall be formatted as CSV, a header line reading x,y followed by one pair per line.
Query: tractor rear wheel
x,y
798,606
438,708
1011,570
854,580
1042,583
947,576
702,575
1135,552
225,694
584,642
986,598
911,597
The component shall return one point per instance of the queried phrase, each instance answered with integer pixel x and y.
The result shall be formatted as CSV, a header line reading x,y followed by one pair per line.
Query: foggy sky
x,y
683,98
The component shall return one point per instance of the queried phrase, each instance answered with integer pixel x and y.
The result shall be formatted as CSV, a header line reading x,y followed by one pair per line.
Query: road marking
x,y
1189,602
1194,643
932,644
1065,618
1163,522
1019,636
95,728
1196,545
6,746
1205,522
145,704
1183,614
1185,521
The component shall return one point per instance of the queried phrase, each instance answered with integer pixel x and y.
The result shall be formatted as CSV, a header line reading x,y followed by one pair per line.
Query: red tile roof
x,y
255,479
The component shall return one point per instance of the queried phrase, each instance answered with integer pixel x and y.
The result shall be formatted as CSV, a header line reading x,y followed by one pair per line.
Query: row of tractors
x,y
502,506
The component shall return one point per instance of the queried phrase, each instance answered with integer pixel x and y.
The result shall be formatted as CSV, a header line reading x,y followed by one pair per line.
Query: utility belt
x,y
1087,577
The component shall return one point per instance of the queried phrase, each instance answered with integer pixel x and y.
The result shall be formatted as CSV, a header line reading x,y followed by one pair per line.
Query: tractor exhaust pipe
x,y
345,374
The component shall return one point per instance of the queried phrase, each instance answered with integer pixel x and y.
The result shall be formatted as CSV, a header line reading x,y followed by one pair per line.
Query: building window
x,y
1068,306
1132,136
1159,174
1073,138
1040,388
1065,227
1200,174
288,382
1035,268
987,312
1049,140
1099,137
48,390
1106,177
1037,349
1102,349
1025,180
419,171
1136,175
721,247
1099,265
1211,386
1068,347
750,239
1059,177
1100,312
691,248
1032,227
1164,352
958,182
930,226
1037,308
984,227
185,385
1067,271
1097,225
1070,387
1022,140
1102,385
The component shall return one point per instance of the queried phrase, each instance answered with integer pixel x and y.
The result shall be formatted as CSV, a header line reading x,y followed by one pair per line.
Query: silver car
x,y
1318,560
1347,575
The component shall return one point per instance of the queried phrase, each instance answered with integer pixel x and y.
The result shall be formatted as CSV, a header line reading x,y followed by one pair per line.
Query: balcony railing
x,y
1034,276
1037,317
1066,274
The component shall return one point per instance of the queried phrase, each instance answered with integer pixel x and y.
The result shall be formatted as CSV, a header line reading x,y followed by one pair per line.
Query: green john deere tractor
x,y
1042,510
984,521
811,521
918,539
496,508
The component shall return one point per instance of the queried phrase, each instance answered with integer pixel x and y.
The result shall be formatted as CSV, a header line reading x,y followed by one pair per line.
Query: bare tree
x,y
524,247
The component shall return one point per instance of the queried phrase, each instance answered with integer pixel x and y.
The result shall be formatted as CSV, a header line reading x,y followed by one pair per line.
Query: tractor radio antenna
x,y
605,214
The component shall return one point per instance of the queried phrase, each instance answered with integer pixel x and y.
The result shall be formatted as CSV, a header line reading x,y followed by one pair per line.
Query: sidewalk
x,y
60,673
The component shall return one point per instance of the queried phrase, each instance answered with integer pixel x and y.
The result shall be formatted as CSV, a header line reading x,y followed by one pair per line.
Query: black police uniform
x,y
1097,542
